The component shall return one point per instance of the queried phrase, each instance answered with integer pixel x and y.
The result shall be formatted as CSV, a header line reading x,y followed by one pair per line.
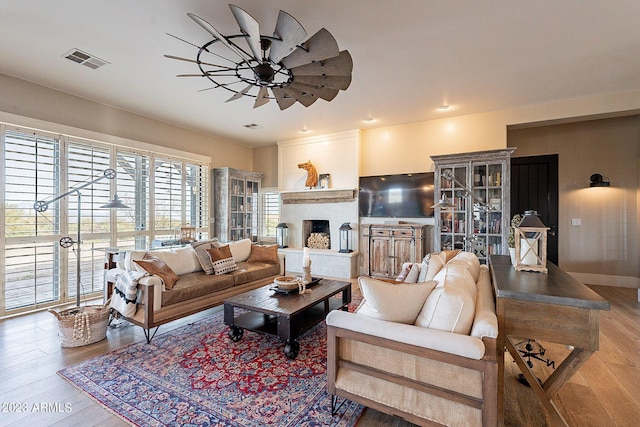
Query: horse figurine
x,y
312,174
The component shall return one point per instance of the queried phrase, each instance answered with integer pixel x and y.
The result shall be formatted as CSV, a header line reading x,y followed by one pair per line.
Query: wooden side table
x,y
551,307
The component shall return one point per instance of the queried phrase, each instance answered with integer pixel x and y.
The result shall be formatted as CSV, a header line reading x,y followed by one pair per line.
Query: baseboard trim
x,y
607,280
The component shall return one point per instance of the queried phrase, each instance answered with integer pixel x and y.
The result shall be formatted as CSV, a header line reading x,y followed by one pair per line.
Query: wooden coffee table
x,y
286,316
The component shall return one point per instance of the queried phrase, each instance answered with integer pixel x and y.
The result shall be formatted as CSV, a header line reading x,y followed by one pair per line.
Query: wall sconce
x,y
282,235
531,243
345,238
597,180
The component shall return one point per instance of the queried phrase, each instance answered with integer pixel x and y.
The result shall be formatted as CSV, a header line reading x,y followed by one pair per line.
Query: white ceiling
x,y
410,57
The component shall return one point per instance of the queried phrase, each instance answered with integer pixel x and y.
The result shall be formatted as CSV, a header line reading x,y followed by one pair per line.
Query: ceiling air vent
x,y
93,62
252,126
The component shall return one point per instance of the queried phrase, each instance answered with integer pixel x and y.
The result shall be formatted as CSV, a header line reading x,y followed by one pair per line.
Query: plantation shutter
x,y
168,198
32,171
133,170
270,217
197,200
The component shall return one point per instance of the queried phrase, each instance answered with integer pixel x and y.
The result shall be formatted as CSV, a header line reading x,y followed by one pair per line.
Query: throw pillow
x,y
154,265
203,256
424,268
260,253
222,260
406,267
436,262
240,250
393,302
412,277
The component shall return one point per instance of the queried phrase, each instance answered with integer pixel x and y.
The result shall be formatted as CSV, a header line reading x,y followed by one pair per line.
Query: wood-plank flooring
x,y
605,392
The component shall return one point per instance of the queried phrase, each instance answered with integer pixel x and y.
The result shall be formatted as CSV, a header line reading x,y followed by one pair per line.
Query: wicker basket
x,y
79,326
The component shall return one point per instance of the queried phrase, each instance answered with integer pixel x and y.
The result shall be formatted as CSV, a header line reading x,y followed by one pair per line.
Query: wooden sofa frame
x,y
487,366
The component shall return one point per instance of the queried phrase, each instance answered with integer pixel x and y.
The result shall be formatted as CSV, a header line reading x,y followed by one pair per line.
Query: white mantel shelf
x,y
317,196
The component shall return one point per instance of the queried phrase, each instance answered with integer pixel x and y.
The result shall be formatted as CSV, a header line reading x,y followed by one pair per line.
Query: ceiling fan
x,y
251,64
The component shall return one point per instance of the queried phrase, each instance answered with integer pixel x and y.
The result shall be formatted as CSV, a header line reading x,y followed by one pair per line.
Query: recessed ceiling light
x,y
444,107
369,120
304,130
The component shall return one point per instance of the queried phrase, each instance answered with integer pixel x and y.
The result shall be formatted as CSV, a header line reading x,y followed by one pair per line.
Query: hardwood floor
x,y
605,392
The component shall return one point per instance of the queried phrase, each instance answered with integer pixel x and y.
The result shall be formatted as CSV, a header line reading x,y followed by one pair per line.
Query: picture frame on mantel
x,y
323,181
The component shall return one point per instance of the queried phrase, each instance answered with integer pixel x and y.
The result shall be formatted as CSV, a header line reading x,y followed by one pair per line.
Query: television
x,y
408,195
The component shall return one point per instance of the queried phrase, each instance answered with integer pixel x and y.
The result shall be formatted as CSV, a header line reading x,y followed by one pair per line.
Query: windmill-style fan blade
x,y
320,46
250,27
179,58
340,65
321,92
217,35
205,75
284,101
335,82
290,32
303,98
262,98
240,94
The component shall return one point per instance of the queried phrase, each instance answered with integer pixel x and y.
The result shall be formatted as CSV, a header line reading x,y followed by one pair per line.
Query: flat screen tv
x,y
399,196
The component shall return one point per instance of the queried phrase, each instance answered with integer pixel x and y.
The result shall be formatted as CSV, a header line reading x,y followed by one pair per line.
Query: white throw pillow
x,y
134,256
424,268
451,305
393,302
240,250
414,273
181,260
436,262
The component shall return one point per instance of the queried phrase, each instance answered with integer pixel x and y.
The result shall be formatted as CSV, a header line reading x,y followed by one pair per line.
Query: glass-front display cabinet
x,y
472,194
236,204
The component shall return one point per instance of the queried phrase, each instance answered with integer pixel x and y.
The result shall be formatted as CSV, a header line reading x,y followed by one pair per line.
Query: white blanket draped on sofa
x,y
125,294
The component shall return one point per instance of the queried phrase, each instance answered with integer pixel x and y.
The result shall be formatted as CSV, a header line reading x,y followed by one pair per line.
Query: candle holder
x,y
306,277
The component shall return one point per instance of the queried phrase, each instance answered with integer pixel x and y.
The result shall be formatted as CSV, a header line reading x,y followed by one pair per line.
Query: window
x,y
162,193
32,256
168,202
270,217
132,176
197,202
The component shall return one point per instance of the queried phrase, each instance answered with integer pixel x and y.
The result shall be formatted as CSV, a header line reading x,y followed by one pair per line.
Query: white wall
x,y
337,154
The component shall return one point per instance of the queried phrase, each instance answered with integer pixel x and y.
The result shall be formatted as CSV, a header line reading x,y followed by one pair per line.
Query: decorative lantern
x,y
187,233
345,238
531,243
282,235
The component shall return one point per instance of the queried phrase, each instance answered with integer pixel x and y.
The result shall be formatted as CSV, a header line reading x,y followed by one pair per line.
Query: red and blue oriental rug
x,y
194,375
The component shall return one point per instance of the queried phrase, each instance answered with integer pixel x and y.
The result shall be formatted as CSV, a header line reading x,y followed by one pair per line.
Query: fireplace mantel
x,y
318,196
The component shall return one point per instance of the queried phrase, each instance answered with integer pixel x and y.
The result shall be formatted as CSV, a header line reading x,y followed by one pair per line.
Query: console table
x,y
551,307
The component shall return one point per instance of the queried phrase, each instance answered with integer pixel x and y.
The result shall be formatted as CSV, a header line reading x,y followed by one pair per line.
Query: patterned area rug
x,y
195,375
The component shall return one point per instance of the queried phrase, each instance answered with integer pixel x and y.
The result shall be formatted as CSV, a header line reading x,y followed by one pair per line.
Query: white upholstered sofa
x,y
423,351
